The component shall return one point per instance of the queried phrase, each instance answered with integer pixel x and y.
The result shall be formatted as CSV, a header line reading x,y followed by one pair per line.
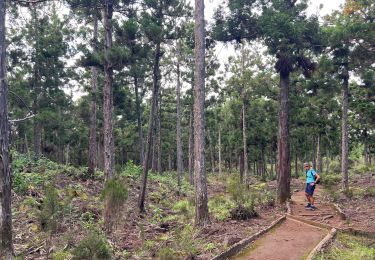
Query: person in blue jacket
x,y
312,178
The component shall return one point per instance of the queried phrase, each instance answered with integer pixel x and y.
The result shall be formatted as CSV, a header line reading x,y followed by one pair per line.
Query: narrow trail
x,y
324,213
293,239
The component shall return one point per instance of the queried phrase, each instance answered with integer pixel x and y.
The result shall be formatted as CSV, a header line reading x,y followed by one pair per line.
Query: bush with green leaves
x,y
220,207
166,253
184,209
115,194
236,189
331,179
51,210
94,246
132,170
186,242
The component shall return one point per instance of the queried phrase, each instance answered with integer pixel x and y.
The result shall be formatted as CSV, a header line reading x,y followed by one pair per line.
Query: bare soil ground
x,y
135,236
290,241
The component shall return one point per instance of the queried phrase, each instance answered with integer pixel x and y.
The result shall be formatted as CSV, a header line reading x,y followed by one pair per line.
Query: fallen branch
x,y
340,211
322,244
327,217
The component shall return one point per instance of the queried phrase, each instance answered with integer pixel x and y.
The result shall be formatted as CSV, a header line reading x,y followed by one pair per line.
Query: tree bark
x,y
366,148
139,122
6,246
296,165
94,80
159,150
201,207
109,156
220,171
151,125
283,160
211,152
344,131
244,140
191,149
319,160
180,166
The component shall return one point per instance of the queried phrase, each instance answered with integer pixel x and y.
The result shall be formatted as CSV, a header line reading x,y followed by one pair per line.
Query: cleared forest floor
x,y
167,230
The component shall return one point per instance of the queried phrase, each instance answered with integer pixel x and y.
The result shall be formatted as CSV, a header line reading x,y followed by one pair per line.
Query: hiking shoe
x,y
312,207
308,205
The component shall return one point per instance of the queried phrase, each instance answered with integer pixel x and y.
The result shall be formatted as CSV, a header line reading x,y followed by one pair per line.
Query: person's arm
x,y
317,177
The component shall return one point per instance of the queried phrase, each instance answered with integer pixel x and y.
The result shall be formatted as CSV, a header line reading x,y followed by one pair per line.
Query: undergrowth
x,y
348,247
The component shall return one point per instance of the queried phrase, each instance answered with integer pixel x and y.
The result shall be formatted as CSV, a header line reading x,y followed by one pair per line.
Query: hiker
x,y
312,178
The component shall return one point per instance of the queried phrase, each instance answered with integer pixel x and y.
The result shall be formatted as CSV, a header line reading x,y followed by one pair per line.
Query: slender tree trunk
x,y
159,150
170,168
67,154
296,164
283,162
151,125
244,138
220,171
319,160
314,152
109,156
94,80
180,166
270,160
139,122
344,131
201,207
211,153
153,159
366,148
6,246
191,149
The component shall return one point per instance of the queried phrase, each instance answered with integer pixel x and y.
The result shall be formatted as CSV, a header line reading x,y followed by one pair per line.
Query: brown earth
x,y
291,240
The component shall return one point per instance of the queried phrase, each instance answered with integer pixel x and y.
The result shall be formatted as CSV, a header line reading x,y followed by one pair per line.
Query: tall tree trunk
x,y
37,127
283,160
201,207
220,171
180,166
211,152
151,125
170,168
94,80
296,164
344,131
313,145
244,138
139,122
366,148
109,156
319,160
159,150
191,149
6,246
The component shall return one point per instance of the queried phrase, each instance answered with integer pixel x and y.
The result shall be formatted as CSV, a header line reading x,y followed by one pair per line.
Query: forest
x,y
187,129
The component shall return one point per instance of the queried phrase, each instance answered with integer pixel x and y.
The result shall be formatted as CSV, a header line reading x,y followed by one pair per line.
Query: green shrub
x,y
95,246
186,241
244,211
166,253
132,170
236,189
331,179
115,192
51,210
61,255
115,195
183,208
220,207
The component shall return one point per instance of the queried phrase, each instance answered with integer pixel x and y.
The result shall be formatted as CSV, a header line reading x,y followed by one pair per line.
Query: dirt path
x,y
291,240
294,239
324,213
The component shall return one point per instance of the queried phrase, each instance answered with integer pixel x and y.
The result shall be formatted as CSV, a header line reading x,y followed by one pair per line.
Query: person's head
x,y
306,166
